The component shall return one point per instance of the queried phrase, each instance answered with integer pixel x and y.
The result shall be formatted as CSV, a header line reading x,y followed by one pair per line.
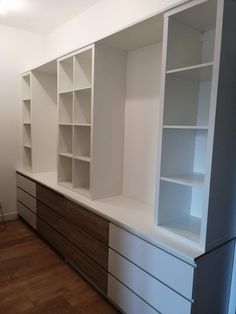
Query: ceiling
x,y
43,16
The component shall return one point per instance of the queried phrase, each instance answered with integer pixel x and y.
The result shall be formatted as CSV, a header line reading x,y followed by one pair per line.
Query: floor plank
x,y
35,280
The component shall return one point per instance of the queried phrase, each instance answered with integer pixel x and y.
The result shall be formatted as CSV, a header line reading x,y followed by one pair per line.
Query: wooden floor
x,y
34,279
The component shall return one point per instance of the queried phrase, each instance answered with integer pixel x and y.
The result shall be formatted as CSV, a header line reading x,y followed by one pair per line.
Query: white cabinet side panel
x,y
141,128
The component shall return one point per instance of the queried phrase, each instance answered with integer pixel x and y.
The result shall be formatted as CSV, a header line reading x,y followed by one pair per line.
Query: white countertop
x,y
130,214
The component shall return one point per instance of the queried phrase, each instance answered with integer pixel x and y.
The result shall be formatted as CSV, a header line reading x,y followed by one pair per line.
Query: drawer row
x,y
132,272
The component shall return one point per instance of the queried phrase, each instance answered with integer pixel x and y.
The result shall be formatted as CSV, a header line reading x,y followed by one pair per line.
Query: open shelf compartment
x,y
82,135
83,70
180,210
27,158
65,139
191,39
81,177
65,171
27,135
26,111
82,107
66,108
66,75
26,86
187,102
183,157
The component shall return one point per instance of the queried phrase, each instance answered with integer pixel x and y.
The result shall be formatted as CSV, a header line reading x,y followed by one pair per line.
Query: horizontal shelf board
x,y
187,127
68,155
82,88
194,180
65,124
187,227
87,159
26,122
26,99
66,91
82,124
27,146
199,72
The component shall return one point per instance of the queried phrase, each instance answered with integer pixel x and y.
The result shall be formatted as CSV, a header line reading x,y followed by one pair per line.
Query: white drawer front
x,y
128,301
147,287
26,184
26,200
27,214
165,267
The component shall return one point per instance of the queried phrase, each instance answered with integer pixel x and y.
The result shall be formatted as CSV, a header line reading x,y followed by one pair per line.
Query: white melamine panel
x,y
81,177
27,135
44,119
128,301
25,184
65,139
190,44
168,269
83,70
26,111
82,141
66,108
141,128
26,199
183,152
108,122
180,209
27,214
155,293
65,171
27,158
82,106
26,86
65,75
187,102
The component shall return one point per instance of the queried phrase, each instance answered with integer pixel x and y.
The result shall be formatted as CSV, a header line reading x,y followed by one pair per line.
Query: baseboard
x,y
9,216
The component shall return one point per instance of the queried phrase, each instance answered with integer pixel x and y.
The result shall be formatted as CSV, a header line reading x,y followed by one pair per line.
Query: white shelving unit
x,y
189,49
75,121
39,118
26,119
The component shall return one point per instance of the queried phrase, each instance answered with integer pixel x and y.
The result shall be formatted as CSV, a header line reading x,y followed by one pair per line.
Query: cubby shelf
x,y
185,127
83,88
66,91
67,155
87,159
194,180
199,72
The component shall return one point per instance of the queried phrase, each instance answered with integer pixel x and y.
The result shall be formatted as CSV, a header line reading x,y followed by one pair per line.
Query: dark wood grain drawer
x,y
97,275
82,217
88,244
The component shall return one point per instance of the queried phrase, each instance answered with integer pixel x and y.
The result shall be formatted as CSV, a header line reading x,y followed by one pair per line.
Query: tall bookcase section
x,y
75,90
26,99
183,187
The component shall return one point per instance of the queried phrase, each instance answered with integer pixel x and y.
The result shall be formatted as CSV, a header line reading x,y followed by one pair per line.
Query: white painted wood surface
x,y
26,199
25,184
128,301
165,267
162,298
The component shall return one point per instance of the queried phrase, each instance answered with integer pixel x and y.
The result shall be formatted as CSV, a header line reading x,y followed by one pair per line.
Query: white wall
x,y
18,49
100,20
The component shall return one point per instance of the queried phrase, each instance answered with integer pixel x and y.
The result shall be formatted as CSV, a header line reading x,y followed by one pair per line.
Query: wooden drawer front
x,y
74,256
26,200
85,219
165,267
88,244
26,184
128,301
27,214
162,298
